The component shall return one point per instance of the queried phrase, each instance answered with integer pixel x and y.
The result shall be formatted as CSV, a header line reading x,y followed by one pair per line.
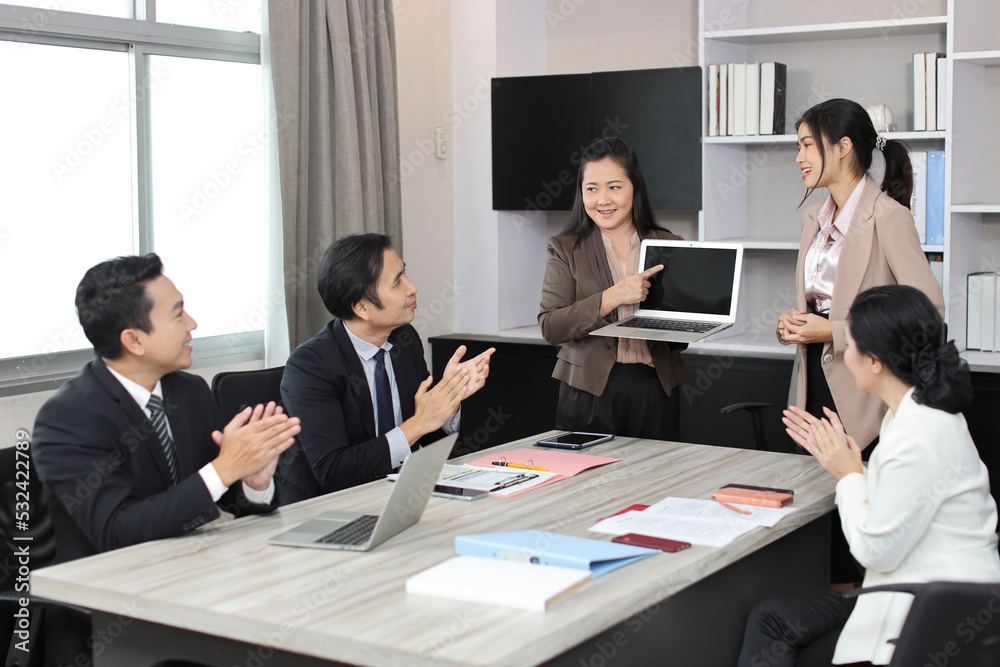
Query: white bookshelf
x,y
751,189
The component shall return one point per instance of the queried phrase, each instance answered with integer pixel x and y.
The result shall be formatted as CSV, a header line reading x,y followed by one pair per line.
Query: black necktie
x,y
158,417
383,396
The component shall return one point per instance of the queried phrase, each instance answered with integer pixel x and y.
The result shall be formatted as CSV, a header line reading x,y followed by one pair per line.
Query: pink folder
x,y
565,464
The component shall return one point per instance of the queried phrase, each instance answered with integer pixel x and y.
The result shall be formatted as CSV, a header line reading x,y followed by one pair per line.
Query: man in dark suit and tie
x,y
132,449
361,386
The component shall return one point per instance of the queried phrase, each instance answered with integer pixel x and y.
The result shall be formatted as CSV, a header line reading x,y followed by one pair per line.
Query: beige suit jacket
x,y
881,248
569,311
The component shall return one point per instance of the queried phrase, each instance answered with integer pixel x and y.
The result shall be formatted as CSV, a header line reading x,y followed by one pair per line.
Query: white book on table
x,y
724,99
713,100
989,312
942,97
740,99
502,582
918,198
753,98
919,92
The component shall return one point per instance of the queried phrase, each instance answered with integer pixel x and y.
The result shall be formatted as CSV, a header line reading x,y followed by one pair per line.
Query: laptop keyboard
x,y
669,325
355,532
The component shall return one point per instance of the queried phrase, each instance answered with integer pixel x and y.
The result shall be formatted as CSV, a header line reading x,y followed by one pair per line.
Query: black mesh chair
x,y
756,411
235,390
20,527
950,623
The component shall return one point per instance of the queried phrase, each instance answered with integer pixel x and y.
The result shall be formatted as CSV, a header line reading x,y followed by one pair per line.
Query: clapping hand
x,y
825,439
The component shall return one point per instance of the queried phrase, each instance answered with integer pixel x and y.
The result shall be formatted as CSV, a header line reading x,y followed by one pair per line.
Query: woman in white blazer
x,y
921,512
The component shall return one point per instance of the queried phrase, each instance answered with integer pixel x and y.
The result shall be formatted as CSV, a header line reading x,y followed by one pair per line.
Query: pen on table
x,y
518,465
728,506
512,481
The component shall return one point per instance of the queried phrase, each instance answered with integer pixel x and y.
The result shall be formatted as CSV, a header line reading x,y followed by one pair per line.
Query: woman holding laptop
x,y
621,386
921,512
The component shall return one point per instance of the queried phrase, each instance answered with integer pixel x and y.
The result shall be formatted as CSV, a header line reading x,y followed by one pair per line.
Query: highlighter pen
x,y
518,465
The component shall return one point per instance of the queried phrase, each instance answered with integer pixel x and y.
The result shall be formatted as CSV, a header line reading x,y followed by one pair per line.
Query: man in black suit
x,y
353,430
132,449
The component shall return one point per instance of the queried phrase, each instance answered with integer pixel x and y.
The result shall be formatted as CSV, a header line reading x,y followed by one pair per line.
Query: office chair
x,y
41,548
951,623
756,419
235,390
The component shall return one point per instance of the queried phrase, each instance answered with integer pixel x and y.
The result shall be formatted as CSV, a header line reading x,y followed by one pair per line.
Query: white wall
x,y
423,62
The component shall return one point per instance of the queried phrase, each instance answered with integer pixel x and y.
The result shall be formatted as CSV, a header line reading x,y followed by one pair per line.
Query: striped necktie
x,y
158,417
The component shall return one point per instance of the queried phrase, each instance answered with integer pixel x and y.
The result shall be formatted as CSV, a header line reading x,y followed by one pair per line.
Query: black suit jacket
x,y
104,470
324,385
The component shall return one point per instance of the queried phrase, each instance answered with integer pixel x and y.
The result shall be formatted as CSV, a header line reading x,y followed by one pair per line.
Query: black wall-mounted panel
x,y
542,123
658,113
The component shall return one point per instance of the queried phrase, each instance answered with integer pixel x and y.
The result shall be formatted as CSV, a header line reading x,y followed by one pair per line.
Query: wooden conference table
x,y
224,597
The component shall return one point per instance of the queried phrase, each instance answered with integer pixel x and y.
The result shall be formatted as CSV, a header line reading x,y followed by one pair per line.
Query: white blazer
x,y
921,512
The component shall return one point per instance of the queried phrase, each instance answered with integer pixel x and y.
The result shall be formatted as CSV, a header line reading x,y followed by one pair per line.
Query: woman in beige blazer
x,y
921,512
861,236
608,385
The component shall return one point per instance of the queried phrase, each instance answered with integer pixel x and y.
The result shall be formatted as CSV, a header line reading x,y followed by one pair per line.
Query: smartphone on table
x,y
458,492
574,440
661,543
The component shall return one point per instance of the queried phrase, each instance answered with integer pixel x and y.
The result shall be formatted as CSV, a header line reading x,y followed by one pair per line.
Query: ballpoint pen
x,y
512,481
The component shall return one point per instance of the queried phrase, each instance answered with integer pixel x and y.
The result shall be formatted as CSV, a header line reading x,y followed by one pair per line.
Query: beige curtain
x,y
333,64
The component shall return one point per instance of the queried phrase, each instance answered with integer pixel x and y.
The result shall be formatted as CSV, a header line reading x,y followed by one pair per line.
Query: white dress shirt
x,y
824,253
399,447
208,473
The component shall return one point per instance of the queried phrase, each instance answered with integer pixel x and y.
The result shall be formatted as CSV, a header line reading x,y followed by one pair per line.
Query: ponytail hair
x,y
838,118
898,325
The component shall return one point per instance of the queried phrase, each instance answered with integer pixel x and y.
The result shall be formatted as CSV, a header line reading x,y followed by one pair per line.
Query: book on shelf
x,y
918,198
753,98
935,197
772,98
713,100
989,299
919,93
930,98
739,107
731,99
929,84
746,99
936,260
942,96
981,312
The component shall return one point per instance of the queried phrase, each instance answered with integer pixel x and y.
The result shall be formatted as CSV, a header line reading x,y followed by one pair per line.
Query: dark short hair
x,y
899,326
349,272
643,217
112,297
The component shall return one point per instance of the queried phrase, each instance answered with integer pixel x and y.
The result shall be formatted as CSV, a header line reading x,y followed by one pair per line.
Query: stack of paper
x,y
506,583
704,522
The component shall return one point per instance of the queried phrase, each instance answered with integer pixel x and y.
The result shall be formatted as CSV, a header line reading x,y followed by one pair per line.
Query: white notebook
x,y
502,582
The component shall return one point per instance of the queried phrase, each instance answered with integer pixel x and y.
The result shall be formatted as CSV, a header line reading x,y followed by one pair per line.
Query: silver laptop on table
x,y
694,296
355,531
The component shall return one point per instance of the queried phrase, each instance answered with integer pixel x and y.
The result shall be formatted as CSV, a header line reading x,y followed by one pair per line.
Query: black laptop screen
x,y
693,280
